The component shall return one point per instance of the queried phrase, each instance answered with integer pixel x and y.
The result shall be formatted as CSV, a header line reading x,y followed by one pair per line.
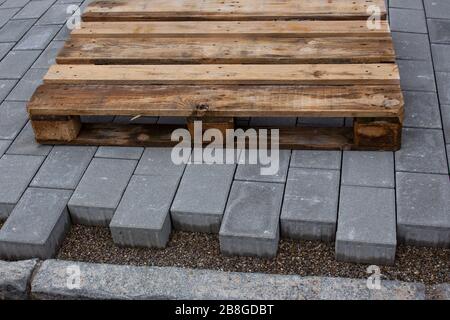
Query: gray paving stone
x,y
422,110
6,14
37,225
4,49
439,30
368,169
441,57
37,38
63,167
320,122
423,150
158,162
316,159
310,204
133,153
4,144
200,202
250,224
99,192
27,85
47,58
443,84
416,75
366,231
142,218
446,120
411,46
448,155
34,9
406,20
13,4
16,63
16,173
423,209
409,4
63,34
57,14
107,281
5,87
15,279
273,122
13,117
15,29
26,144
252,172
437,9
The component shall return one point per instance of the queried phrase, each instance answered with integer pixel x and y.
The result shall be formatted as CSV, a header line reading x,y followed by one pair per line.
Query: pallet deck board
x,y
229,29
99,50
222,101
216,60
167,10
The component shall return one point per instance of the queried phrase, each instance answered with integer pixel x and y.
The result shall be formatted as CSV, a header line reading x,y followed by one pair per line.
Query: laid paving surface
x,y
416,178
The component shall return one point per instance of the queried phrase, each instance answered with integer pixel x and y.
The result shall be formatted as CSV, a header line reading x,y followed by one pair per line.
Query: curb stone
x,y
15,279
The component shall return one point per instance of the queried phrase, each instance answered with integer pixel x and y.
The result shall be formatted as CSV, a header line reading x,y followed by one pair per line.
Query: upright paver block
x,y
439,9
407,20
423,209
250,225
439,30
26,144
34,9
15,29
99,192
158,162
313,159
366,231
57,14
252,172
369,169
310,204
37,38
47,58
13,117
37,226
64,167
27,85
201,198
15,279
5,87
416,75
16,173
142,218
413,46
422,110
16,63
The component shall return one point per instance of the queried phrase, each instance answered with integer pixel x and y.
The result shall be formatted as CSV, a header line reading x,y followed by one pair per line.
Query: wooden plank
x,y
229,29
226,51
143,10
299,74
218,101
109,134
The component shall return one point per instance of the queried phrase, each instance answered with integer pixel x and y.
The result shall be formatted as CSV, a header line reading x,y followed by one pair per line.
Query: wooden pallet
x,y
216,60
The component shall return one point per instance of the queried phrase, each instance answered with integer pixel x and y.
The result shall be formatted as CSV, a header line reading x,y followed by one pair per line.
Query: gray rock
x,y
99,192
16,173
25,144
423,150
250,224
158,162
439,9
27,85
406,20
443,83
366,231
416,75
63,167
101,281
34,9
423,209
411,46
142,218
369,169
422,110
13,117
316,159
132,153
252,172
16,63
37,225
15,29
15,279
441,57
37,38
310,204
439,30
201,198
47,58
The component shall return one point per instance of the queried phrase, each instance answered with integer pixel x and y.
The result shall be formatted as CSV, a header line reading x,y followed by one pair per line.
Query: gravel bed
x,y
304,258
